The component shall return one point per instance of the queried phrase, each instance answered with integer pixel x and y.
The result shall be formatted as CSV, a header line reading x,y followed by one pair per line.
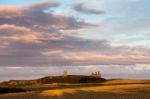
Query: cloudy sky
x,y
45,37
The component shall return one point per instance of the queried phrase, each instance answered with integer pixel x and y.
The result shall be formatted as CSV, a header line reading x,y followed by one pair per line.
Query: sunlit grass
x,y
125,81
119,89
112,89
58,92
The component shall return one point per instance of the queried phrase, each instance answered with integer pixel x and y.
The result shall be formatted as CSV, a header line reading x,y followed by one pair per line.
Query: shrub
x,y
10,90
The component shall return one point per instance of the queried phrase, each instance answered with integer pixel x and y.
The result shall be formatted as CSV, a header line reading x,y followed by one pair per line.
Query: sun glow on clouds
x,y
36,35
142,67
9,11
49,37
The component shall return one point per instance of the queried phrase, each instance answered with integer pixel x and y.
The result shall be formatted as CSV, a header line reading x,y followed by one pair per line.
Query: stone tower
x,y
65,74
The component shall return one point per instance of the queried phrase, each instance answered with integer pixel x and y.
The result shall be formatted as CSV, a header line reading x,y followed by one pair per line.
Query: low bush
x,y
10,90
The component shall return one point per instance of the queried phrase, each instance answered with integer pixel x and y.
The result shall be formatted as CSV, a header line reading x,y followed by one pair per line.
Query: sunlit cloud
x,y
80,34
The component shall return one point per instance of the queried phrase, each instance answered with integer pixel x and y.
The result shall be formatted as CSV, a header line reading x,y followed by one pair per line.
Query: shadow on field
x,y
78,95
10,90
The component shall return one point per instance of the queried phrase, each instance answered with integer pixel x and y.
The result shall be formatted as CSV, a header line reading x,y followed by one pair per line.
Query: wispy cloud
x,y
83,9
33,36
81,36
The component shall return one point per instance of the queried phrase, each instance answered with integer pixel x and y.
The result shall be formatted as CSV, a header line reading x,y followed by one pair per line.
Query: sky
x,y
45,37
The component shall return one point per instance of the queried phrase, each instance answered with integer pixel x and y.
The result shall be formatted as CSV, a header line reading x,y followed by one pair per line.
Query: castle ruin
x,y
96,74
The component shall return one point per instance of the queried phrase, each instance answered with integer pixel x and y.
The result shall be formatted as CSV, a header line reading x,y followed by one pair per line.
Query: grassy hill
x,y
54,79
110,89
46,83
74,83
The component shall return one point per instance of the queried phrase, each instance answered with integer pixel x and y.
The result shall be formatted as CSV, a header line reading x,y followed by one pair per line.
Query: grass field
x,y
112,89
